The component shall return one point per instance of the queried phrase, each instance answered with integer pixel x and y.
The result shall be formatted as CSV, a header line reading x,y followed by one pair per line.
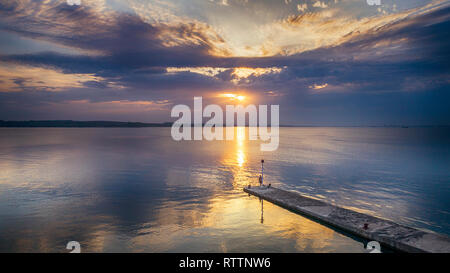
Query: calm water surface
x,y
137,190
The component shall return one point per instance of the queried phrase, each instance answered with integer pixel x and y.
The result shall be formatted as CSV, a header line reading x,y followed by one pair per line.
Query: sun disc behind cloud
x,y
233,96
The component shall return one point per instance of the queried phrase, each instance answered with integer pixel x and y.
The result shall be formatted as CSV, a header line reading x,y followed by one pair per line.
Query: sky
x,y
325,63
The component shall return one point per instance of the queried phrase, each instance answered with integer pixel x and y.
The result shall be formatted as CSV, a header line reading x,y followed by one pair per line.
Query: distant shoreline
x,y
80,124
121,124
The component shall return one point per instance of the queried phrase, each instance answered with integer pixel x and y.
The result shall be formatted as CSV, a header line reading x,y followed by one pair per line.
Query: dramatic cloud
x,y
324,62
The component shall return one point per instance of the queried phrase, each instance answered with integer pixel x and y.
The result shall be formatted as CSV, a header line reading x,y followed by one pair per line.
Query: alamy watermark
x,y
213,129
74,246
373,247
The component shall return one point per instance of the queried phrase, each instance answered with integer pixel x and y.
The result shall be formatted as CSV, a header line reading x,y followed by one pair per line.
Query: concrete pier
x,y
387,233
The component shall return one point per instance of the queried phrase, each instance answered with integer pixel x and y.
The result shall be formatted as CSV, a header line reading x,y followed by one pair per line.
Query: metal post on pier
x,y
262,171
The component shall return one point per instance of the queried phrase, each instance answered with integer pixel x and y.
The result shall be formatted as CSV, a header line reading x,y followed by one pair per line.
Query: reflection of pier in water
x,y
262,210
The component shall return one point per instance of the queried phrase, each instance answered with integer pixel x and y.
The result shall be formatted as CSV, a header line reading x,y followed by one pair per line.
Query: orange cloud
x,y
318,86
238,73
18,77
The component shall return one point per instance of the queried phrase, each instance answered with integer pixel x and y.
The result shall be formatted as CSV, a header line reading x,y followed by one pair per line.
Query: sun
x,y
233,96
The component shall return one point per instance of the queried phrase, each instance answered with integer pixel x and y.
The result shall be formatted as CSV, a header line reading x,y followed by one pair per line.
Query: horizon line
x,y
112,123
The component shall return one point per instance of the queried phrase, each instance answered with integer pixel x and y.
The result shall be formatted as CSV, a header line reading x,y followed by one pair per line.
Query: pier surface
x,y
387,233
